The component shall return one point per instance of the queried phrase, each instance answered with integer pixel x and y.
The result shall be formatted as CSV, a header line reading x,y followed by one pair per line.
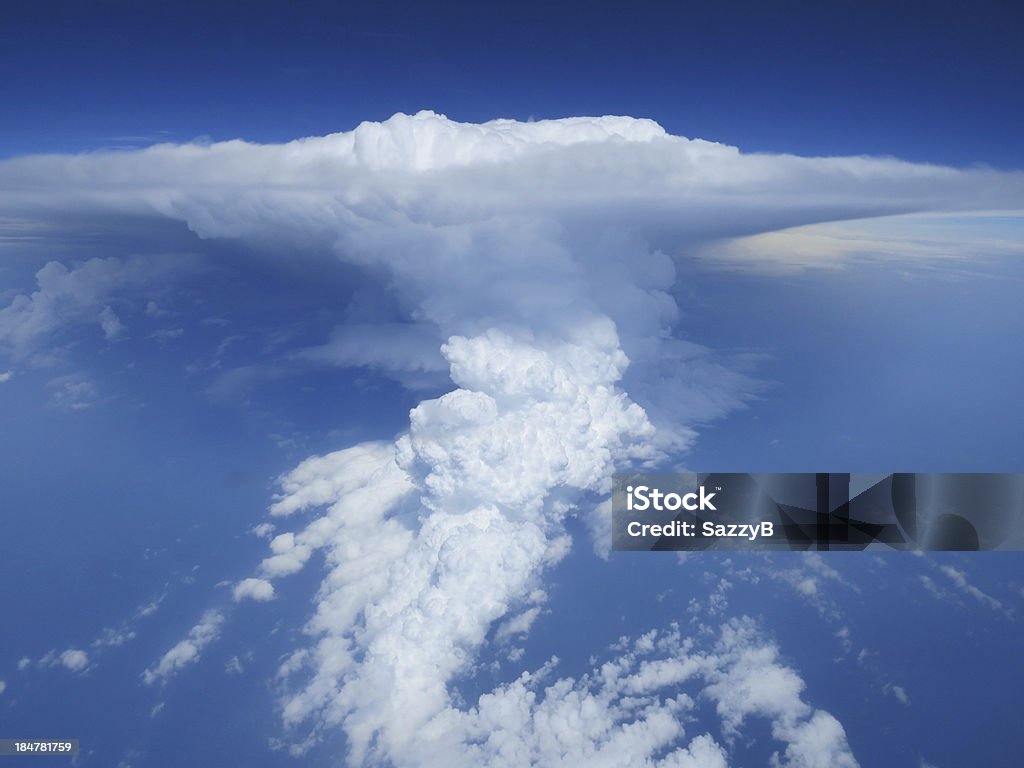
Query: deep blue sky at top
x,y
937,81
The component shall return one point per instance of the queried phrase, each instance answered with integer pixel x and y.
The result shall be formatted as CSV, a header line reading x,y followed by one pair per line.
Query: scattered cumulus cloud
x,y
263,530
110,323
254,589
898,692
74,660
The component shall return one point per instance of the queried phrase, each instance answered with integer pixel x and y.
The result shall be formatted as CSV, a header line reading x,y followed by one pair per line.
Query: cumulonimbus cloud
x,y
506,225
534,262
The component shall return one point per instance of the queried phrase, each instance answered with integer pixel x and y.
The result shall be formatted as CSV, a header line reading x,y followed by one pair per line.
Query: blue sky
x,y
306,443
923,81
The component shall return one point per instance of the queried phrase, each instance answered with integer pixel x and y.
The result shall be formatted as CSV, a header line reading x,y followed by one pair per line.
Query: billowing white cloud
x,y
416,584
187,651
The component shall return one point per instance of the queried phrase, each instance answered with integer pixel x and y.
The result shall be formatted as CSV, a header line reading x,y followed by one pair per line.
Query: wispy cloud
x,y
187,651
959,579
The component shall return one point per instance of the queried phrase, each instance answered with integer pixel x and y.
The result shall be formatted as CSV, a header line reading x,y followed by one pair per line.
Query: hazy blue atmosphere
x,y
324,327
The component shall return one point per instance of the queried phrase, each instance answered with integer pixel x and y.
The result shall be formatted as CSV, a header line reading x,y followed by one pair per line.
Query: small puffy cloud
x,y
254,589
187,651
155,310
74,660
898,692
263,530
24,663
3,686
110,323
6,376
